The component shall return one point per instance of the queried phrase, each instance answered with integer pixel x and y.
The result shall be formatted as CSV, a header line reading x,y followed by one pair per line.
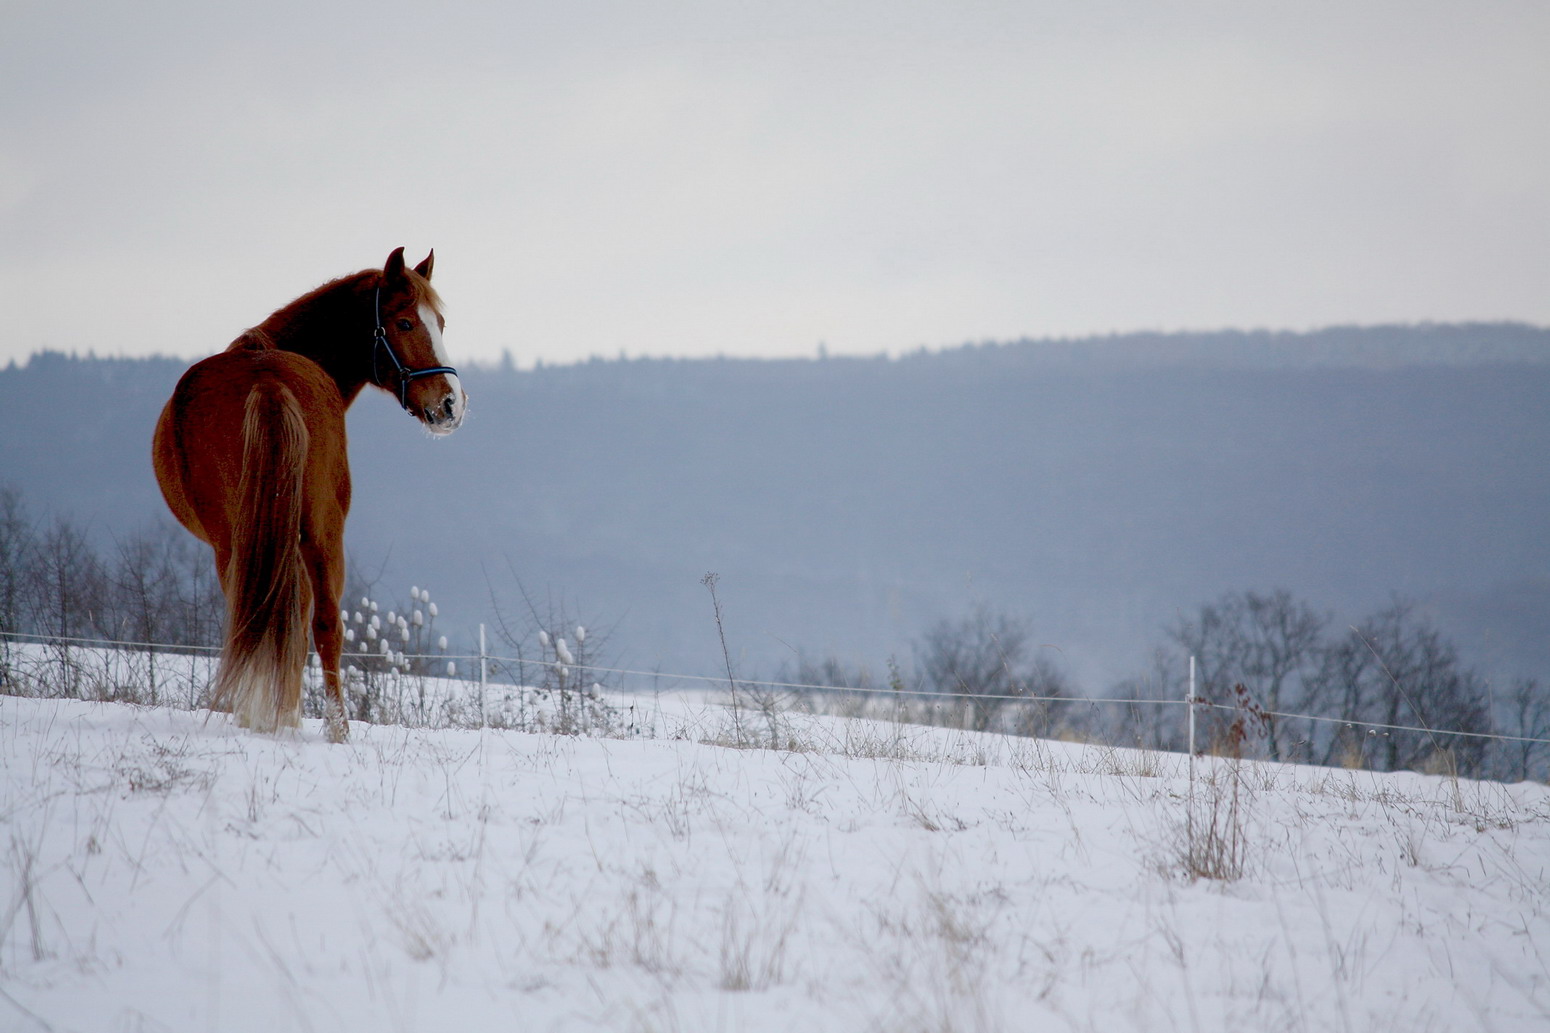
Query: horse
x,y
251,457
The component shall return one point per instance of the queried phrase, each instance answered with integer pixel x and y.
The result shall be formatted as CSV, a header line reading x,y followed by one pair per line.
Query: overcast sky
x,y
753,179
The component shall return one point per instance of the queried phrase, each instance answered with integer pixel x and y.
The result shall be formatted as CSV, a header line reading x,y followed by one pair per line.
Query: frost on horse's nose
x,y
443,415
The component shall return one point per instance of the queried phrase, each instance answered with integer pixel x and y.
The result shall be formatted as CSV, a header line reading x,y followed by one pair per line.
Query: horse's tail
x,y
267,595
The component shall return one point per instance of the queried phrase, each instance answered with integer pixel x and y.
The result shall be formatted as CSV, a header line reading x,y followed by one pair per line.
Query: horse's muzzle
x,y
444,416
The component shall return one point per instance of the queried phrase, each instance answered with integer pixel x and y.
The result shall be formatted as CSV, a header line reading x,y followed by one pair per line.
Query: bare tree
x,y
144,581
1395,668
1143,723
15,553
988,660
67,583
1527,715
200,609
146,600
1271,644
1346,688
851,689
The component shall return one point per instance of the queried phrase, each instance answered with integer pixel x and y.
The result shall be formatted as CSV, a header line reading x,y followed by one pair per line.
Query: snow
x,y
166,871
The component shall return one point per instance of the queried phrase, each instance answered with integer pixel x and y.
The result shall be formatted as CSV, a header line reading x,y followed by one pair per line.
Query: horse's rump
x,y
249,454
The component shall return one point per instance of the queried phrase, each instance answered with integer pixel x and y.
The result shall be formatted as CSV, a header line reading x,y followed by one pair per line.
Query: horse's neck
x,y
332,328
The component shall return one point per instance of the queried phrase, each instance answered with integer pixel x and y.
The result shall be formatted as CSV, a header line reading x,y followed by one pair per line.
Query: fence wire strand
x,y
746,683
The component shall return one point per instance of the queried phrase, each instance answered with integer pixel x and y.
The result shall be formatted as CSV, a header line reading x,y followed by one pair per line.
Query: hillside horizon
x,y
1382,345
1098,487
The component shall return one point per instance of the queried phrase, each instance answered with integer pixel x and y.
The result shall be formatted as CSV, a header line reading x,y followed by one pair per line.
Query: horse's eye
x,y
405,325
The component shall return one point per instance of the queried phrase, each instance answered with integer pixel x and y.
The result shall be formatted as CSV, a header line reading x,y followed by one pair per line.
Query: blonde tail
x,y
268,600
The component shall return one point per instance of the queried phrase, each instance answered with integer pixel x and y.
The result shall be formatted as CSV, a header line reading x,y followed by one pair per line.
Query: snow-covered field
x,y
165,871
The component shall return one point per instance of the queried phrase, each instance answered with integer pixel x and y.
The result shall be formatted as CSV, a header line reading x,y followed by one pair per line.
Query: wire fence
x,y
485,662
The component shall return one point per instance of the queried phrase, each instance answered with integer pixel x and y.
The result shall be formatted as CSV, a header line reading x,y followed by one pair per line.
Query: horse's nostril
x,y
449,406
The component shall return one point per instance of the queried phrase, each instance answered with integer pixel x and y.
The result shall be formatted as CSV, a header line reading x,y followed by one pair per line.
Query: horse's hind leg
x,y
324,557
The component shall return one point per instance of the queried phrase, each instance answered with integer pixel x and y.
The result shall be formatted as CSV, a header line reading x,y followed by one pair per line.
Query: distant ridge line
x,y
1383,346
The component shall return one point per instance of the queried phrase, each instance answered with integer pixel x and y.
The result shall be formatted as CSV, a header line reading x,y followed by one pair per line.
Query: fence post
x,y
482,675
1190,703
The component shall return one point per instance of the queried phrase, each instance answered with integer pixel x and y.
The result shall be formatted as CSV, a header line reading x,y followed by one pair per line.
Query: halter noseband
x,y
405,375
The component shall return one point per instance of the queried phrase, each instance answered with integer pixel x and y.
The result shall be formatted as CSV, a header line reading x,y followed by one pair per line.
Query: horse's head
x,y
408,359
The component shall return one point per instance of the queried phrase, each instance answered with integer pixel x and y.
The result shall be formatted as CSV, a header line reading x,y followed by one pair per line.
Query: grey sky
x,y
752,179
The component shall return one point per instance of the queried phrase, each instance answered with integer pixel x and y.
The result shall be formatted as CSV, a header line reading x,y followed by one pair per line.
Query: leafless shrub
x,y
1214,843
757,710
554,677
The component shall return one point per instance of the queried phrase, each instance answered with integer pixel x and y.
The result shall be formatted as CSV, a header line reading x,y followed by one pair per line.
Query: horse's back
x,y
199,443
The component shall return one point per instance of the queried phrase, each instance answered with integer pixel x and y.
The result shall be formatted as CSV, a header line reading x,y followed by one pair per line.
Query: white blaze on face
x,y
459,399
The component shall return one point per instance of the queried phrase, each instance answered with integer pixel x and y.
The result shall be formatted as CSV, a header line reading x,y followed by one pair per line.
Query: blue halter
x,y
405,375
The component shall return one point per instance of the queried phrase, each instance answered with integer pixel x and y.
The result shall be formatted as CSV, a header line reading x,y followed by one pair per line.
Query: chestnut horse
x,y
250,455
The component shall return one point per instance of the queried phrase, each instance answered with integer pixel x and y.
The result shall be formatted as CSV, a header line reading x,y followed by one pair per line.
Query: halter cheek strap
x,y
404,375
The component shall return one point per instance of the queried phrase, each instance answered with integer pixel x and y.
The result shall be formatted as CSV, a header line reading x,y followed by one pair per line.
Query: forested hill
x,y
1098,487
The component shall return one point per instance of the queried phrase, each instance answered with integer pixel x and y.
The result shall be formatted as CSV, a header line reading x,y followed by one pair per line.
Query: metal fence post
x,y
1189,701
483,674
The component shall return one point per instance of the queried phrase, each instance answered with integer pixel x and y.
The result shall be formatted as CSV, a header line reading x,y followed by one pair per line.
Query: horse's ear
x,y
424,268
393,268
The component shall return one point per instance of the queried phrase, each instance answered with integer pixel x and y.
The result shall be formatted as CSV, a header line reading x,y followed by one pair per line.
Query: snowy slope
x,y
167,872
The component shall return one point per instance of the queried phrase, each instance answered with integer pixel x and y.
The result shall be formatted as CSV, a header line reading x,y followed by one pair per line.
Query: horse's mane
x,y
263,336
423,291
